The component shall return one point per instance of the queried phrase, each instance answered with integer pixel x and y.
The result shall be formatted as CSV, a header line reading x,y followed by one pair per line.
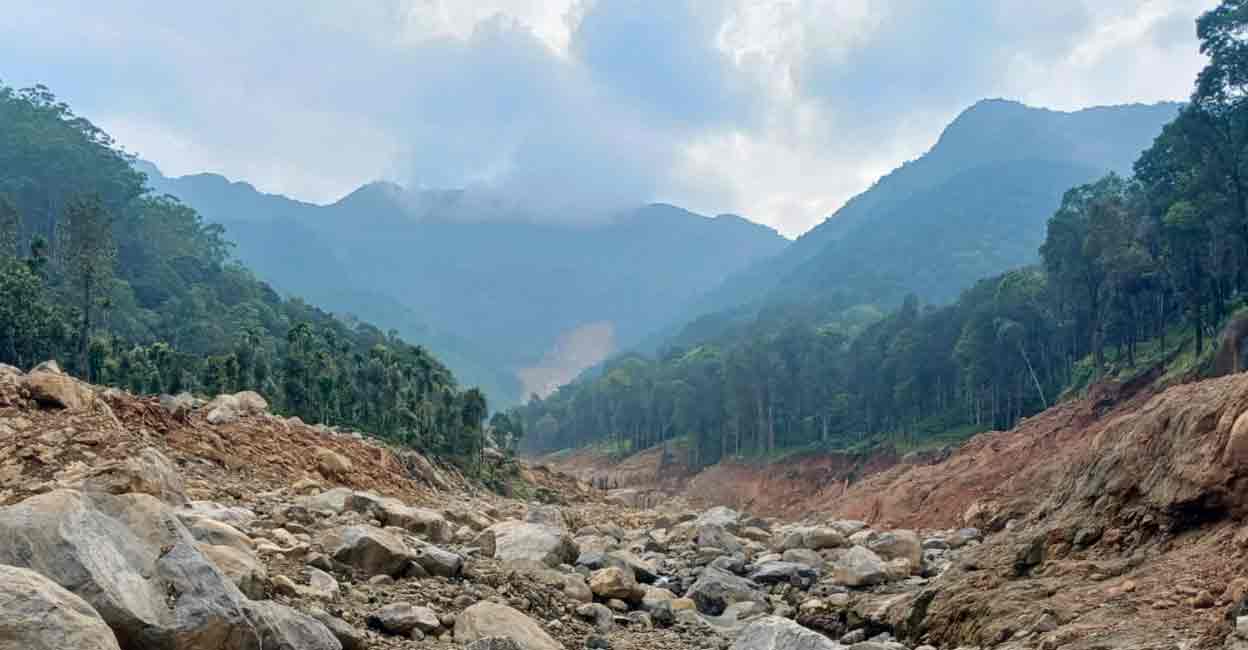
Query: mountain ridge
x,y
399,256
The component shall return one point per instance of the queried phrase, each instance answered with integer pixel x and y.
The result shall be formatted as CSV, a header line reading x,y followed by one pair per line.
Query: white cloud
x,y
776,109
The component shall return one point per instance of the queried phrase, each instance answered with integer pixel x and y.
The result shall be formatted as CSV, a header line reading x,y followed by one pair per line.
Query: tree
x,y
86,253
10,227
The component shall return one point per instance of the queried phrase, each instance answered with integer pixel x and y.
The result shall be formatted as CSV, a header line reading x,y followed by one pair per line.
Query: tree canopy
x,y
134,289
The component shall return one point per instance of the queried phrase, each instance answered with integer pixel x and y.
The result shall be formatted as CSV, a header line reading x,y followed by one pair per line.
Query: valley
x,y
1126,535
399,337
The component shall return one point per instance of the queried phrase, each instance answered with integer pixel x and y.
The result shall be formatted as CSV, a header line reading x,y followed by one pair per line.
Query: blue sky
x,y
779,110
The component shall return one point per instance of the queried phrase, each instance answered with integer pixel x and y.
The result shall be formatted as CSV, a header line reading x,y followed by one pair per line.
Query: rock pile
x,y
128,523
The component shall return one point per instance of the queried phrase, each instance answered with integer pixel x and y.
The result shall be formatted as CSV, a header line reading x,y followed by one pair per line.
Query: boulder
x,y
898,544
332,464
817,539
493,643
485,620
242,568
125,555
223,409
400,619
775,633
332,501
148,472
715,590
420,468
368,549
517,541
437,561
773,573
802,556
281,628
10,386
721,516
49,387
38,614
716,536
211,531
575,588
321,585
179,406
235,516
429,524
486,543
645,572
859,567
614,582
598,614
251,403
348,636
548,516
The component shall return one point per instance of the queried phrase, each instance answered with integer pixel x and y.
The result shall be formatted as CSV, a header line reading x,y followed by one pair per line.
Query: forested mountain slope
x,y
974,205
1135,275
132,289
436,262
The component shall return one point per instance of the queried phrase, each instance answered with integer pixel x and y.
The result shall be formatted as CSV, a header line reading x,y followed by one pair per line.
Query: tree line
x,y
130,289
1125,260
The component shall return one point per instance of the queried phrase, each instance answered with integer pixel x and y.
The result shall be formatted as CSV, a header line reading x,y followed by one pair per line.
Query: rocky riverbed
x,y
174,524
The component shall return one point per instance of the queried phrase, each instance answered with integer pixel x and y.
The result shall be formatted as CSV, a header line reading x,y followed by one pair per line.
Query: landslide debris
x,y
170,531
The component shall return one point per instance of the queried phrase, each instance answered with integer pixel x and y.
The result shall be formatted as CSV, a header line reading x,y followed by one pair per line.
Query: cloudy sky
x,y
779,110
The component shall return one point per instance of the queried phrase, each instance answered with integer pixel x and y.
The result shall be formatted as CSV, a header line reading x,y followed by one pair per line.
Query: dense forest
x,y
135,290
1124,261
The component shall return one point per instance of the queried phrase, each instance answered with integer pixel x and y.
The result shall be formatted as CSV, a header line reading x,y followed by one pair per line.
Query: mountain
x,y
510,303
974,205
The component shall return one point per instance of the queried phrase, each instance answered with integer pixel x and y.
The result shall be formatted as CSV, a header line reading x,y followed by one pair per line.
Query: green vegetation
x,y
1125,262
135,290
490,290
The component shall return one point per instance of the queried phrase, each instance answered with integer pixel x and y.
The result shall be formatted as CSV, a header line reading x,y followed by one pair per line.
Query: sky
x,y
778,110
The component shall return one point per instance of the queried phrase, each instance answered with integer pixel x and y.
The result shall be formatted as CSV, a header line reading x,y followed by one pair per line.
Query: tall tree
x,y
86,253
10,227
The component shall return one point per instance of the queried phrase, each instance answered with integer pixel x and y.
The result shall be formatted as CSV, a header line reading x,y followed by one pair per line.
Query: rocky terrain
x,y
172,523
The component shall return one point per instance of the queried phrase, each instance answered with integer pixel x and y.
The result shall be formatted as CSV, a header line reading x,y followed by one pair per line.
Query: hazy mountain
x,y
975,205
510,303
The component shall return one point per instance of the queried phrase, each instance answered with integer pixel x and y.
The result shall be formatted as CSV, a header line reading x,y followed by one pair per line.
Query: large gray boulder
x,y
775,633
429,524
37,614
211,531
242,568
717,536
859,567
368,549
899,544
715,590
227,408
438,561
348,636
126,555
277,627
518,541
485,620
770,573
401,618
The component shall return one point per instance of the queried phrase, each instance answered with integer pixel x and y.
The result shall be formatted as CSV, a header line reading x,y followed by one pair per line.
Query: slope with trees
x,y
489,286
133,289
1132,271
974,205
